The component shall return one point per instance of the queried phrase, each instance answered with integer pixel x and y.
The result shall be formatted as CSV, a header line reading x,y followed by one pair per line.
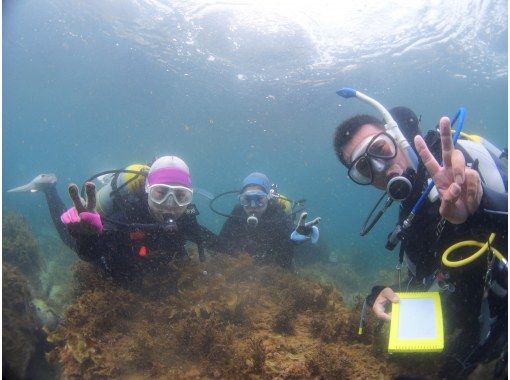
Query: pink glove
x,y
82,219
85,223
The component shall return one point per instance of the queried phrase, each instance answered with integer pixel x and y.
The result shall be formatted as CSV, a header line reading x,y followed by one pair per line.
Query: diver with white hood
x,y
141,218
443,208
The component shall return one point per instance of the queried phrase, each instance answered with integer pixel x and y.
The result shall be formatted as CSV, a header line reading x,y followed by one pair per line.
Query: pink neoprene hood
x,y
169,176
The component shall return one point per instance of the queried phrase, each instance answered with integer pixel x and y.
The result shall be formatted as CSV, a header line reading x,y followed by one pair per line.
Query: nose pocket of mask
x,y
378,165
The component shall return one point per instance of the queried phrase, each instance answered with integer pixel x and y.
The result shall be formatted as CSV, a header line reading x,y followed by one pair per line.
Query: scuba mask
x,y
371,159
253,199
168,202
162,194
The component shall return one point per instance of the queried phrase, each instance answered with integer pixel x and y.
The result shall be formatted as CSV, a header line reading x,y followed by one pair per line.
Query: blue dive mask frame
x,y
253,198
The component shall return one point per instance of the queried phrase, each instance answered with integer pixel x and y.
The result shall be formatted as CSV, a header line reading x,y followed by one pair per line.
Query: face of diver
x,y
166,210
395,166
254,205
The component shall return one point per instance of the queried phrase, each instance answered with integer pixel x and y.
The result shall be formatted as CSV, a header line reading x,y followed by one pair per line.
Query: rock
x,y
18,325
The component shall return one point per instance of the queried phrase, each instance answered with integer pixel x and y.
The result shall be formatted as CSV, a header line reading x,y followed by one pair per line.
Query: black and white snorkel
x,y
399,187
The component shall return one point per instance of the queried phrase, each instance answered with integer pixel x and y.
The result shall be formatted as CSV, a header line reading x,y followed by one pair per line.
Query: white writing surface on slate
x,y
416,318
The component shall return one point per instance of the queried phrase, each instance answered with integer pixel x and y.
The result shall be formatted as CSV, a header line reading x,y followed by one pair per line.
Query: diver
x,y
261,224
464,198
139,219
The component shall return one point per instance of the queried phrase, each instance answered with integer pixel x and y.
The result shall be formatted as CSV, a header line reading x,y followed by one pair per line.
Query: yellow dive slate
x,y
417,323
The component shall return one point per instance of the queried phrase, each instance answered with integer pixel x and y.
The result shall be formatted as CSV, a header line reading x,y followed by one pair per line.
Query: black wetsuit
x,y
268,242
131,242
57,208
422,247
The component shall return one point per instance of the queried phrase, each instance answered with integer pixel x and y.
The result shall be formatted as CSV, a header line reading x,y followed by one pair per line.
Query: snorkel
x,y
399,187
390,125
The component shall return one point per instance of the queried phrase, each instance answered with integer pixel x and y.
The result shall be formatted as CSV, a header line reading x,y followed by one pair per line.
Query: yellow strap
x,y
469,136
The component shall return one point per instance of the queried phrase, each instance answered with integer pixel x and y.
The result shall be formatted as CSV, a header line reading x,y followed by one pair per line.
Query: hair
x,y
345,132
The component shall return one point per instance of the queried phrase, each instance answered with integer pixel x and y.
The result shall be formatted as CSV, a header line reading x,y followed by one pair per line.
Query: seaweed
x,y
209,339
20,248
348,273
329,363
257,354
284,322
232,309
225,318
19,325
327,330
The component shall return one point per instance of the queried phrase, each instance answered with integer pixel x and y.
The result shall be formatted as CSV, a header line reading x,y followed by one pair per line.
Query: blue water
x,y
233,88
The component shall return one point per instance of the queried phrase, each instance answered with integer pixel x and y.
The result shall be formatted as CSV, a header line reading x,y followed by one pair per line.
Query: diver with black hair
x,y
261,224
442,207
140,218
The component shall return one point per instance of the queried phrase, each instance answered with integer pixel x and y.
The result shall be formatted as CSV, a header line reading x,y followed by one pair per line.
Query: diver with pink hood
x,y
139,220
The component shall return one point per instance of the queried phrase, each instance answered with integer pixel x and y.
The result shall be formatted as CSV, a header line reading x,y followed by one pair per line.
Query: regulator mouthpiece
x,y
400,187
252,221
169,225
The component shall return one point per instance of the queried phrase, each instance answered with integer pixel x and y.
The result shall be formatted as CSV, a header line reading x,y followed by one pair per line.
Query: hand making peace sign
x,y
82,219
460,187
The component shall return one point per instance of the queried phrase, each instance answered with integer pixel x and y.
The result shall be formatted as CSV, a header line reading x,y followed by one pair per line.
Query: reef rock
x,y
19,325
20,248
225,318
45,314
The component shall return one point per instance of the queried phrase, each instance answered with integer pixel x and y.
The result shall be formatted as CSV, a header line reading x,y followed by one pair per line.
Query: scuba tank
x,y
120,183
285,203
288,205
492,161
